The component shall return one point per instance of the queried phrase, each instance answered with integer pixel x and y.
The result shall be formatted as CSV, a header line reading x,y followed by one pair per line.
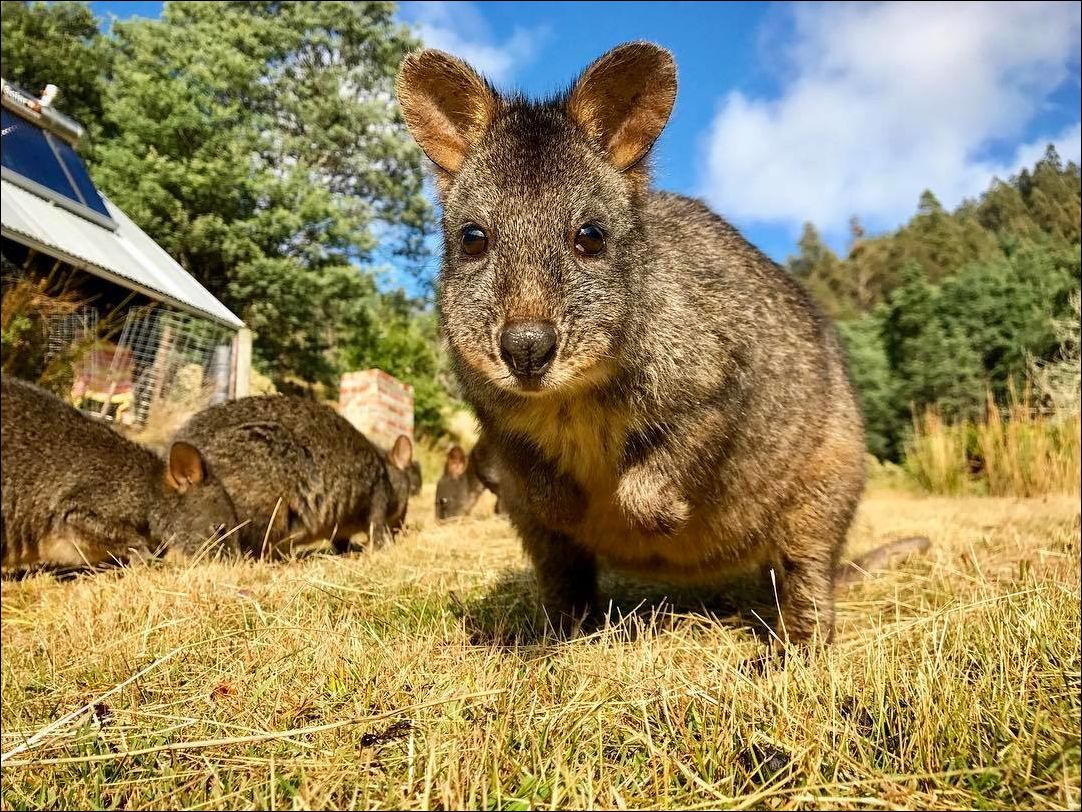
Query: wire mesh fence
x,y
63,331
153,372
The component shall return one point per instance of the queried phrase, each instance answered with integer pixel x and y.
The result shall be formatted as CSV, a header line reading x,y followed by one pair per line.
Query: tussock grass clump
x,y
418,676
1016,451
1030,447
1027,454
935,454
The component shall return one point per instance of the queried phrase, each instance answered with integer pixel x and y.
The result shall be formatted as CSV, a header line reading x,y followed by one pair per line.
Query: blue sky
x,y
795,112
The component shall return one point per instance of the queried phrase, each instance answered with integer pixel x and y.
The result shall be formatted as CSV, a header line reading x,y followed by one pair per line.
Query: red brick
x,y
378,404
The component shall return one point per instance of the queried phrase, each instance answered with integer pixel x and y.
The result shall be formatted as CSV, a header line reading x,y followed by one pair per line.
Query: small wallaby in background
x,y
299,472
663,398
78,494
465,478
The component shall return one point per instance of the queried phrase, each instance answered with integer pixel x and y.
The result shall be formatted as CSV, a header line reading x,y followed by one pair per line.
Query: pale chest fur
x,y
582,436
585,439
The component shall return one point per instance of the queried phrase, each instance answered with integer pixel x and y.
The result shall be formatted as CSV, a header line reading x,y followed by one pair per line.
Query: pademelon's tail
x,y
882,557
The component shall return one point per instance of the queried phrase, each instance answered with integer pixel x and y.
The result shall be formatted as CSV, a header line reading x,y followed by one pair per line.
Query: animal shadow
x,y
508,614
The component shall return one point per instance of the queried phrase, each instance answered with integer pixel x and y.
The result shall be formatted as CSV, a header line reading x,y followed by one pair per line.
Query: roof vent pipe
x,y
40,111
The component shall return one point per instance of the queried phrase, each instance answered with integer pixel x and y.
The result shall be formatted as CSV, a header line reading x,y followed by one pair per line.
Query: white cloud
x,y
460,29
885,100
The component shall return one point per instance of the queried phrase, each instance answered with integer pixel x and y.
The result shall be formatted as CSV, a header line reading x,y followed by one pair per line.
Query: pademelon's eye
x,y
590,240
474,240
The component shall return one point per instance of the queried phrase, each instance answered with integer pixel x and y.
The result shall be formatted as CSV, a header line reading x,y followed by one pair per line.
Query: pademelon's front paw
x,y
651,503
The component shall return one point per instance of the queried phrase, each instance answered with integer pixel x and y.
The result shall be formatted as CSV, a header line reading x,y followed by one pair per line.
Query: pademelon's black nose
x,y
528,347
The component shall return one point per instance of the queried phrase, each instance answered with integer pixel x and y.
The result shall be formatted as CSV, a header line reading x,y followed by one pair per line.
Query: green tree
x,y
1053,197
953,303
874,381
819,268
932,358
61,44
872,265
948,345
1002,211
1007,308
1040,206
260,145
933,238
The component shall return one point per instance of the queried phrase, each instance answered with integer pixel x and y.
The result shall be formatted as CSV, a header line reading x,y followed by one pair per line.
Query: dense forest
x,y
953,306
258,142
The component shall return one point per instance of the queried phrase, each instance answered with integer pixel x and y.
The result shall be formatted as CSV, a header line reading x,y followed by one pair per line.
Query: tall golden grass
x,y
1017,450
416,676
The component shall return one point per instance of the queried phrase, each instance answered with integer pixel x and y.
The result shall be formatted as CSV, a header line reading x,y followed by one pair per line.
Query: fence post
x,y
221,372
242,362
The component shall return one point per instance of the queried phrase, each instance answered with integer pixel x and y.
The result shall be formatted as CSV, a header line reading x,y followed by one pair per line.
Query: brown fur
x,y
299,472
466,478
623,101
697,415
78,494
451,106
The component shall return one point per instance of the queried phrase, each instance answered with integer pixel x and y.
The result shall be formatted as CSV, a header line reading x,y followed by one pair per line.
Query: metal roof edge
x,y
115,278
122,217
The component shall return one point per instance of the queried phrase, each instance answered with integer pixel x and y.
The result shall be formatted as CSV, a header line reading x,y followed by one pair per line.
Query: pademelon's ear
x,y
456,462
624,99
446,104
185,467
401,452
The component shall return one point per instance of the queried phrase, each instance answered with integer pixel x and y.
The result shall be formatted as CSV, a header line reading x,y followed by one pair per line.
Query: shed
x,y
140,334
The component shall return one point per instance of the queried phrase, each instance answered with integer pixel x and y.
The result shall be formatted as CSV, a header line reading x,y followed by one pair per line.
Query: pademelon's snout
x,y
528,348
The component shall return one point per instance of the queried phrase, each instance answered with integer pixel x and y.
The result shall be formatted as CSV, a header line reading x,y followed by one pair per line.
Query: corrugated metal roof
x,y
126,256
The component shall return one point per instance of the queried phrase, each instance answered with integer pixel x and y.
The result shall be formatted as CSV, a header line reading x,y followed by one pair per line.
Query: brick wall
x,y
379,405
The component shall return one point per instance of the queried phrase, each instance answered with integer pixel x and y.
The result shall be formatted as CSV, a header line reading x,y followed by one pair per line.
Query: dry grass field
x,y
417,677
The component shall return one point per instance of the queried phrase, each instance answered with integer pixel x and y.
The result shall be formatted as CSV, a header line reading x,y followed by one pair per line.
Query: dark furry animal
x,y
298,472
78,494
663,398
465,478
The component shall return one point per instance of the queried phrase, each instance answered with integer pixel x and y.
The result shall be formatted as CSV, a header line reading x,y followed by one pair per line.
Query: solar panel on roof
x,y
46,165
71,161
27,152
